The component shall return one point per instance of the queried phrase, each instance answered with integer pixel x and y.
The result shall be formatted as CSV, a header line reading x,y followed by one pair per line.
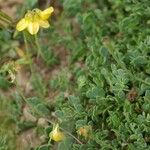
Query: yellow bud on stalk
x,y
56,134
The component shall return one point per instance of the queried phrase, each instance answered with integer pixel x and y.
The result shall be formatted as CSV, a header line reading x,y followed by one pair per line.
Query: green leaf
x,y
81,81
75,102
95,92
66,144
38,85
4,84
48,56
38,106
31,3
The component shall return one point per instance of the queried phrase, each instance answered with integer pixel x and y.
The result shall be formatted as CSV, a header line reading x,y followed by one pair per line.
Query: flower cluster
x,y
35,19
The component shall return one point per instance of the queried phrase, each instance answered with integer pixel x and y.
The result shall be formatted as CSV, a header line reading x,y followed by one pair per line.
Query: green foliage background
x,y
108,55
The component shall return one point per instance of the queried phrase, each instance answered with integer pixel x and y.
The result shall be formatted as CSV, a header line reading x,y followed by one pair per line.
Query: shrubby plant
x,y
101,100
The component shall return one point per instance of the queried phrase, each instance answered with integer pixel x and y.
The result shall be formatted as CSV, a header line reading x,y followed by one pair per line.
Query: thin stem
x,y
4,15
28,54
72,136
66,132
39,48
6,21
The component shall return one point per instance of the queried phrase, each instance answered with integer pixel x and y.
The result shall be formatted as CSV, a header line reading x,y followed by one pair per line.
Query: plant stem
x,y
5,20
72,136
66,132
39,48
4,15
30,64
28,54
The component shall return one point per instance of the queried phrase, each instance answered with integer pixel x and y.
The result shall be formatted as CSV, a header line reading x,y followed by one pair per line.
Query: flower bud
x,y
56,134
84,131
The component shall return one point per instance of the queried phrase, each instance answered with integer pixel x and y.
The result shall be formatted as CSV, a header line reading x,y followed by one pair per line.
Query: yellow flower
x,y
35,19
56,134
85,131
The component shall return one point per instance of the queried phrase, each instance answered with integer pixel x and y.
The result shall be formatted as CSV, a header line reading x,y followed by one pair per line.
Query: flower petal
x,y
33,28
44,23
46,13
21,25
